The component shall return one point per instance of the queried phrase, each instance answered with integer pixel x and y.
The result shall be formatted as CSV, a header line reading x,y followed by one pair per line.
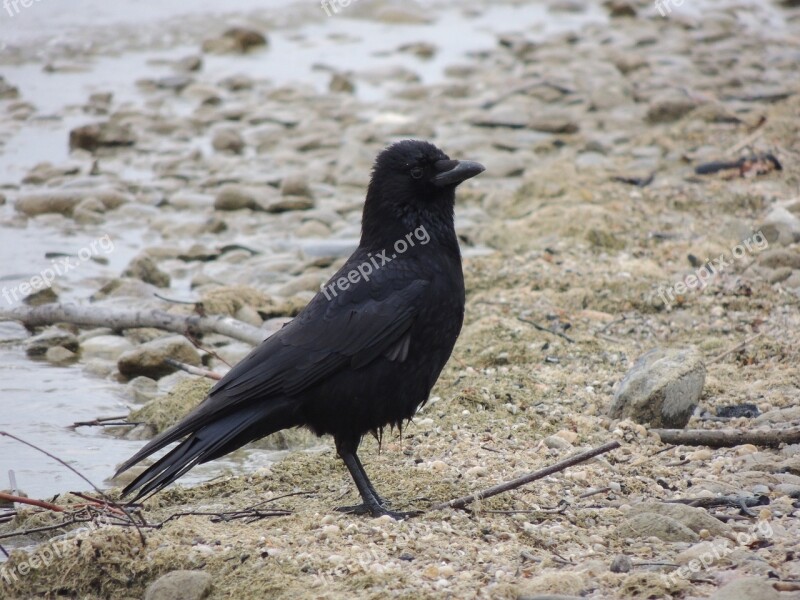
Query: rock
x,y
7,91
669,107
58,355
781,415
236,40
665,528
65,201
105,347
107,134
620,8
52,338
148,359
554,124
45,296
781,227
296,185
189,63
165,411
44,172
235,197
341,84
696,519
747,588
662,389
142,389
144,268
180,585
706,553
228,140
621,564
288,204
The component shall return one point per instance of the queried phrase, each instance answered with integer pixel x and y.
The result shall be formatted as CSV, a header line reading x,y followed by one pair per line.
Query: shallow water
x,y
38,401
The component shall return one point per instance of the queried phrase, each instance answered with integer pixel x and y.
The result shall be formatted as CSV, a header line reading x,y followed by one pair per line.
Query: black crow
x,y
367,349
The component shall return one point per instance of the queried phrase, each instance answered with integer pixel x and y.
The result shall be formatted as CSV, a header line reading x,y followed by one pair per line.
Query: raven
x,y
367,349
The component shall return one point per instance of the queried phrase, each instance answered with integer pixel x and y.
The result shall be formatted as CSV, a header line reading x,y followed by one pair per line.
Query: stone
x,y
107,134
65,201
696,519
236,40
296,185
105,347
747,588
51,338
669,107
148,359
341,84
180,585
58,355
662,389
645,525
781,227
144,268
621,564
229,140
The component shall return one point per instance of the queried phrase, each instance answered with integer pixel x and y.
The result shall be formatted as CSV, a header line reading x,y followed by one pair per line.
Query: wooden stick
x,y
727,438
193,370
30,501
527,478
95,316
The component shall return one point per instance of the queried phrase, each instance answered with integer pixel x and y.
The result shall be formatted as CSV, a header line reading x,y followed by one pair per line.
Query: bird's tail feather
x,y
207,442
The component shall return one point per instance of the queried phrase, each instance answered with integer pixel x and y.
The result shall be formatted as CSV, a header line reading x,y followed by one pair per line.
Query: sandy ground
x,y
549,238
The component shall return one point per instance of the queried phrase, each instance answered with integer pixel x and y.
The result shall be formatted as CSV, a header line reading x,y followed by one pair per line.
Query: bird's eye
x,y
417,172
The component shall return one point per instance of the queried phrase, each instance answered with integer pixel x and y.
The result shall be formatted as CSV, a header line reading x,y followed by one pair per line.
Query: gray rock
x,y
662,389
228,139
106,347
236,40
645,525
694,518
144,269
180,585
52,338
781,227
148,359
58,355
235,197
64,202
747,588
296,185
621,564
669,108
780,415
341,84
107,134
142,389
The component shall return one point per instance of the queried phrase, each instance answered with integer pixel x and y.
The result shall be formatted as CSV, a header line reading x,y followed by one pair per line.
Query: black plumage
x,y
365,352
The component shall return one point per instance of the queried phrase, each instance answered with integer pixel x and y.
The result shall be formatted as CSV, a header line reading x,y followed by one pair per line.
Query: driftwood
x,y
727,438
96,316
528,478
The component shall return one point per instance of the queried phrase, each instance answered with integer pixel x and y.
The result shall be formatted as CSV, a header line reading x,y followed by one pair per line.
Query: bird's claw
x,y
378,510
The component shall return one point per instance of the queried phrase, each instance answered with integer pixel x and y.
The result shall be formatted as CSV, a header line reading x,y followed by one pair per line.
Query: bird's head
x,y
413,182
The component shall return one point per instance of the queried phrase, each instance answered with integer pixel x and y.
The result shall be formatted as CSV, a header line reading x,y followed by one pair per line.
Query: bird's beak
x,y
453,172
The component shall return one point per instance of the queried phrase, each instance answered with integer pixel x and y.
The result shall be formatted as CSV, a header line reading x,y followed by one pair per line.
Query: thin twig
x,y
546,330
84,478
736,348
101,422
193,370
30,502
528,478
727,438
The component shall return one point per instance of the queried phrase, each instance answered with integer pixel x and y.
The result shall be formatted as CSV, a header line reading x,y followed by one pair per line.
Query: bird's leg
x,y
373,503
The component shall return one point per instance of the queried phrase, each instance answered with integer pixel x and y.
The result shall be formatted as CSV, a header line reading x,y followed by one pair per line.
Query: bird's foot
x,y
378,510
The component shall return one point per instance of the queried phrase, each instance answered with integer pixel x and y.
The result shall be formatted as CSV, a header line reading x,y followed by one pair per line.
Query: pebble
x,y
148,359
662,389
180,585
39,344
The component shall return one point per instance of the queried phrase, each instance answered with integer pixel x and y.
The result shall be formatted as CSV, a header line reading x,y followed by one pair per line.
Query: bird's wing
x,y
350,330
